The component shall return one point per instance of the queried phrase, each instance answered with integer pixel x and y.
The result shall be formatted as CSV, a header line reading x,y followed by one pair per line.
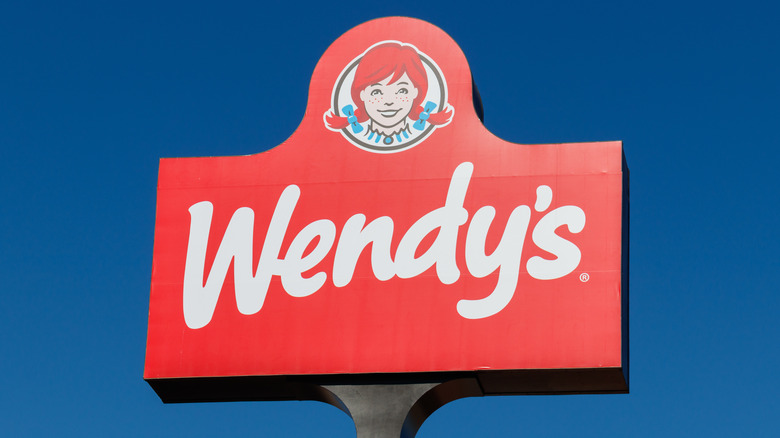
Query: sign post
x,y
392,249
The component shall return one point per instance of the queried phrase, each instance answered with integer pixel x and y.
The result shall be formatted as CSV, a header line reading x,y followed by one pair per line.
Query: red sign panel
x,y
391,233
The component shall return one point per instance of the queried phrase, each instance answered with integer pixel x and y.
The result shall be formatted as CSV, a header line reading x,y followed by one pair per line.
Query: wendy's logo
x,y
388,99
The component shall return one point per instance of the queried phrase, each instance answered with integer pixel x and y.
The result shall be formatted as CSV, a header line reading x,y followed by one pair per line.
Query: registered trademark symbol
x,y
584,277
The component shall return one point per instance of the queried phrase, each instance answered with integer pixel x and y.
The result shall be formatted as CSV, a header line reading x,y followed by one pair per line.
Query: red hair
x,y
389,60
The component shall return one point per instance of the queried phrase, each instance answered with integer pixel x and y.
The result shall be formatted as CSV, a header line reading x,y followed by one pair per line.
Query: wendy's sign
x,y
391,237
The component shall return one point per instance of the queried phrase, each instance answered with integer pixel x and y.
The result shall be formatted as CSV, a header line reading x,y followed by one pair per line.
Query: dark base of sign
x,y
391,405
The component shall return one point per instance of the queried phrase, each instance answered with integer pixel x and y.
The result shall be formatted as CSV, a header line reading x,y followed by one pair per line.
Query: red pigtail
x,y
336,122
440,118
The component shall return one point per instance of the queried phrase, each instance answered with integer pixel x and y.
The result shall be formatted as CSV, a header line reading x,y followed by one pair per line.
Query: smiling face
x,y
387,105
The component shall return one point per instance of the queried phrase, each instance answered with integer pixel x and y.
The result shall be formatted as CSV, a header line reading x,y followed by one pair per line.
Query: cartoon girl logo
x,y
390,98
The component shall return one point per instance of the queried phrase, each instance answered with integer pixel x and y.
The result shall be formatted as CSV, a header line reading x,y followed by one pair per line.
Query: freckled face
x,y
389,104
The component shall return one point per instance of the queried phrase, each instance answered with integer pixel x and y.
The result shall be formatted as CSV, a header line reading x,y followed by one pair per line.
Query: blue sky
x,y
92,94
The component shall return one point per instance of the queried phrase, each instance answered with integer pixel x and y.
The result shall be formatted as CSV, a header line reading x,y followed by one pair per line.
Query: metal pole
x,y
397,410
380,411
